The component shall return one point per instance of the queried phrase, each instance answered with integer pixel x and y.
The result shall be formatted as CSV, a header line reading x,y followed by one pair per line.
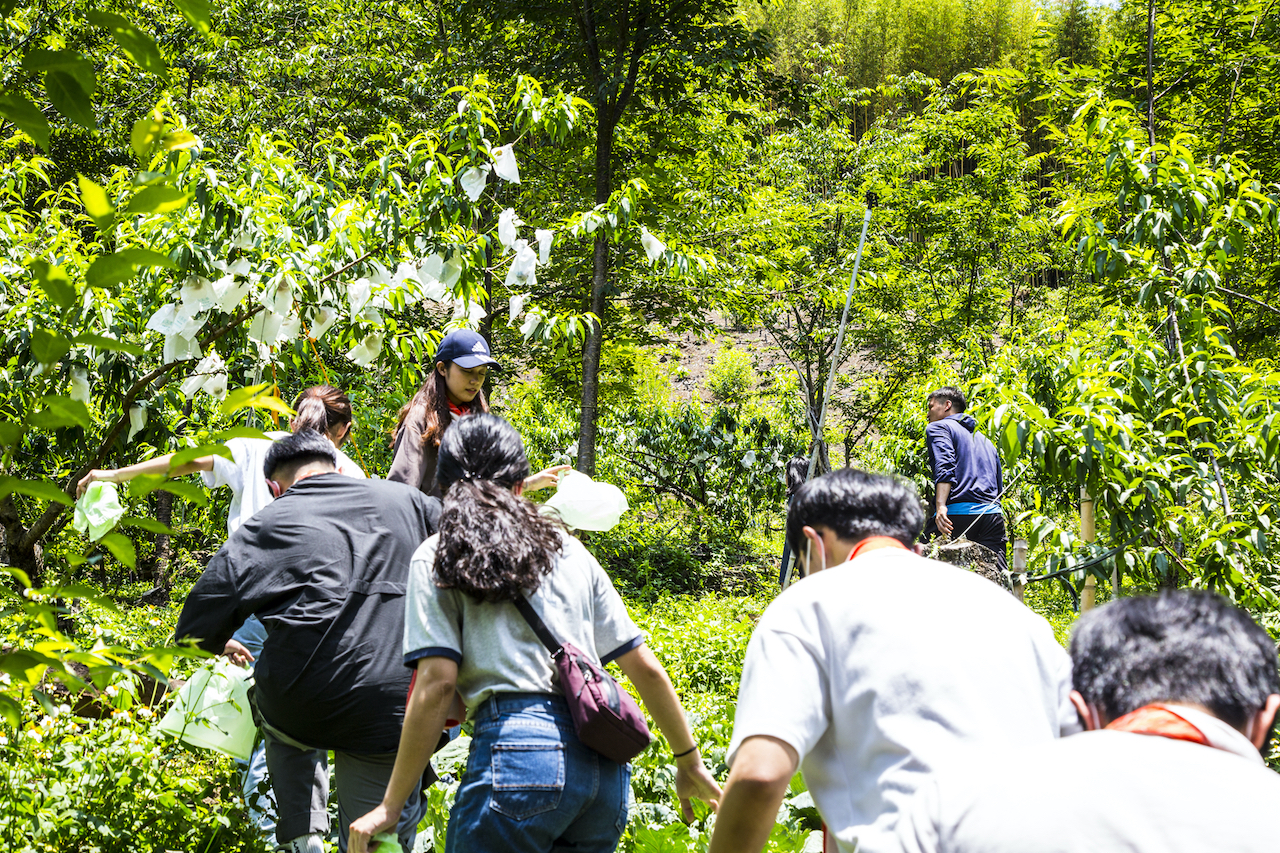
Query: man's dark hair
x,y
295,450
952,394
1186,646
856,504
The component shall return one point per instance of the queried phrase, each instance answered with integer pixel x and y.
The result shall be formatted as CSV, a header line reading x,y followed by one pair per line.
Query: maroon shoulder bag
x,y
605,716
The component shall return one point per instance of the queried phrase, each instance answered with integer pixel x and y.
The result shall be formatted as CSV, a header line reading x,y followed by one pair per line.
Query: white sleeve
x,y
228,472
432,621
784,691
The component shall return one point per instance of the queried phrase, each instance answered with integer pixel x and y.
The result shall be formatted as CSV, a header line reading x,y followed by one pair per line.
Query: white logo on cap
x,y
480,347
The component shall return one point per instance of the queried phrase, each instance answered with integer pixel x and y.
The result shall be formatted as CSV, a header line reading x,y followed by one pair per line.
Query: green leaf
x,y
145,484
191,454
10,710
96,204
148,524
10,433
139,45
240,432
103,342
66,61
17,109
176,140
40,489
55,283
121,548
49,347
197,12
186,490
61,412
109,270
159,199
146,131
69,97
256,396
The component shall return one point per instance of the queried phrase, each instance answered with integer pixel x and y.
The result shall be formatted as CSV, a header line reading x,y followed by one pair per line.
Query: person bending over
x,y
530,784
324,566
322,408
1179,693
877,670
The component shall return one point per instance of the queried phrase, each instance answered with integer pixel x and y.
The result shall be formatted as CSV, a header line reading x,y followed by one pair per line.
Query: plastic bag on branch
x,y
98,510
585,504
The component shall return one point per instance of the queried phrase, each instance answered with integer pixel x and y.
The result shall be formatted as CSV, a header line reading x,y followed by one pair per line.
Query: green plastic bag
x,y
388,842
212,711
98,510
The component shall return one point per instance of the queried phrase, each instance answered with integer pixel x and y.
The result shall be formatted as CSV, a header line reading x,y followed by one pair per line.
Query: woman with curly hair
x,y
530,783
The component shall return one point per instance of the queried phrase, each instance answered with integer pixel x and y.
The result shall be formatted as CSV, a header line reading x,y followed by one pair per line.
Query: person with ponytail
x,y
322,408
454,389
530,783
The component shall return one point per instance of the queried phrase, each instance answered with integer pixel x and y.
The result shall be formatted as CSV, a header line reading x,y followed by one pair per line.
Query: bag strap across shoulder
x,y
539,627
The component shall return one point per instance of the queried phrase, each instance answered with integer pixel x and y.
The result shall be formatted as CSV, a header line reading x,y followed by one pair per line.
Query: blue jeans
x,y
254,785
531,786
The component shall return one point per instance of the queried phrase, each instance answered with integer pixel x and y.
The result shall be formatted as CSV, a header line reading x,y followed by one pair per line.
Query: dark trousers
x,y
986,530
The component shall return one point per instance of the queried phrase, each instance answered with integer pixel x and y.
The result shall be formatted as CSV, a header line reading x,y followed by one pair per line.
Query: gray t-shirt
x,y
495,649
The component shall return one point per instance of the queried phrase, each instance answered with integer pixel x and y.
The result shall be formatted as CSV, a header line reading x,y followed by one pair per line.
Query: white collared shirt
x,y
883,669
1105,792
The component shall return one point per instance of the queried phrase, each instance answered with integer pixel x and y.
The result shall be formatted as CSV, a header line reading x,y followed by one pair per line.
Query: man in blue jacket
x,y
966,473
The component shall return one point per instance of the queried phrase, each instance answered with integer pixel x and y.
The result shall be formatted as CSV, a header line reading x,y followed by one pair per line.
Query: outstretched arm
x,y
762,770
545,479
158,465
650,678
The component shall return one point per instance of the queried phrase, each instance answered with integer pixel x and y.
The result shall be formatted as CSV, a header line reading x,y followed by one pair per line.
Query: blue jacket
x,y
966,459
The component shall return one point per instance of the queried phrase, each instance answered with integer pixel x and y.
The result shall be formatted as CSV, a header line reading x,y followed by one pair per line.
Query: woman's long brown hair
x,y
429,408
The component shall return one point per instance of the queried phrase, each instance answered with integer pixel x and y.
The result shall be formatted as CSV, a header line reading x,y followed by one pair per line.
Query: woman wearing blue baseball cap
x,y
453,390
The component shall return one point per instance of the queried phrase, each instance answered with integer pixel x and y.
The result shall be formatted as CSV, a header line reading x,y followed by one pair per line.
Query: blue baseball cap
x,y
465,348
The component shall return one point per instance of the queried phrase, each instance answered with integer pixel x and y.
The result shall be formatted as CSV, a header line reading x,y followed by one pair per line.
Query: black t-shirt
x,y
324,566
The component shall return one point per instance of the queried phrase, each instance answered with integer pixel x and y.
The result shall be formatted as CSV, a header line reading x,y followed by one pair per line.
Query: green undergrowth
x,y
76,784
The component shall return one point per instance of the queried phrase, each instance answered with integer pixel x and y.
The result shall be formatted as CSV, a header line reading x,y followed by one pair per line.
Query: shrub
x,y
731,377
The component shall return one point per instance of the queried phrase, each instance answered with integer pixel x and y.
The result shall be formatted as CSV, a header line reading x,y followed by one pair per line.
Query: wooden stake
x,y
1088,532
1019,567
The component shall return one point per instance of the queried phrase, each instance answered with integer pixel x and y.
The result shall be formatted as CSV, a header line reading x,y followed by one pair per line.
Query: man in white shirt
x,y
1179,693
874,672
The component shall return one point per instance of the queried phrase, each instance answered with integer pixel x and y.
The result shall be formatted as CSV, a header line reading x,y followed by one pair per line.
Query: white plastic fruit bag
x,y
98,510
584,504
211,710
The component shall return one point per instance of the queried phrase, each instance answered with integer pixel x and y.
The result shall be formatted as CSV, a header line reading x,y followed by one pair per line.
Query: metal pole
x,y
1019,568
831,379
835,358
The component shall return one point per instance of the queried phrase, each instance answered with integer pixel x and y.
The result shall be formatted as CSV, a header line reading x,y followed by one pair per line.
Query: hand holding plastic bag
x,y
212,711
98,509
584,504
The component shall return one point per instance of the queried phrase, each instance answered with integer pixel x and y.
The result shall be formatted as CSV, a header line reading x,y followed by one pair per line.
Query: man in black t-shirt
x,y
324,566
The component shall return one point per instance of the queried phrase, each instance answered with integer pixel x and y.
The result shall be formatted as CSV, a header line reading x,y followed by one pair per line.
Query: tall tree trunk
x,y
599,282
1151,57
160,575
